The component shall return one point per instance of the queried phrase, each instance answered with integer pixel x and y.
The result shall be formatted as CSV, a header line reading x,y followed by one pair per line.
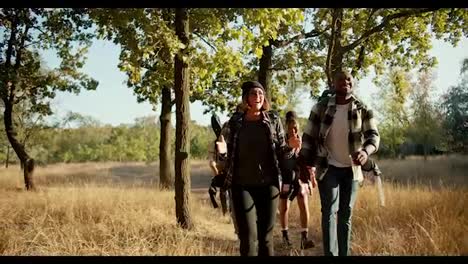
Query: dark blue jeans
x,y
337,196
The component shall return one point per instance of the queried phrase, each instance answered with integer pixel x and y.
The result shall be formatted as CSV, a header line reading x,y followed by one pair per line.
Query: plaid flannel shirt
x,y
279,148
362,132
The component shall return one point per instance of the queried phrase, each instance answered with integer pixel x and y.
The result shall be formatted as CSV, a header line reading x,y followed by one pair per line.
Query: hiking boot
x,y
305,242
286,241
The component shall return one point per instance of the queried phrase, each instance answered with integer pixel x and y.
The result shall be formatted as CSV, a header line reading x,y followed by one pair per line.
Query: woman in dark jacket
x,y
255,149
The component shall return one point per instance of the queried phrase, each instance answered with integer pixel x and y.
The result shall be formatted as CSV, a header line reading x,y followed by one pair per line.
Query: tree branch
x,y
38,28
19,54
386,21
19,98
279,68
360,58
31,43
9,52
226,81
29,130
204,40
303,35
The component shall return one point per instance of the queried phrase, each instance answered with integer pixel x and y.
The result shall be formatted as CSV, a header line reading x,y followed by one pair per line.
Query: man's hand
x,y
221,145
312,179
360,157
308,172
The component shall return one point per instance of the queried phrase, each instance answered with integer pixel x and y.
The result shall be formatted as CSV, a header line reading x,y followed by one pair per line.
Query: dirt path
x,y
294,232
294,236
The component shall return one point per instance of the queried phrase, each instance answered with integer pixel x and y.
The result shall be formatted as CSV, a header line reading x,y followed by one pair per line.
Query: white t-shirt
x,y
337,138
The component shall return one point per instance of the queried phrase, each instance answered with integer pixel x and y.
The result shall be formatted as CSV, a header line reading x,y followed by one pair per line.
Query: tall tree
x,y
182,92
27,123
147,41
425,122
263,33
166,179
393,94
455,108
22,77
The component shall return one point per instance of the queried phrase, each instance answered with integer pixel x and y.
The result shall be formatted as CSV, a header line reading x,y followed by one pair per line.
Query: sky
x,y
114,103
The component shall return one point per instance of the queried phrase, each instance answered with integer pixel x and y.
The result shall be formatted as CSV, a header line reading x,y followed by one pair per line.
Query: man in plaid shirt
x,y
340,135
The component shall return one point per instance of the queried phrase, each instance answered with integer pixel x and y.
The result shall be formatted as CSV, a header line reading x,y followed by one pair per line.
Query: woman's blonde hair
x,y
291,120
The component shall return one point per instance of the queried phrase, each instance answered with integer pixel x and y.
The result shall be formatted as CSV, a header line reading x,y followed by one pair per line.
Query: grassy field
x,y
117,209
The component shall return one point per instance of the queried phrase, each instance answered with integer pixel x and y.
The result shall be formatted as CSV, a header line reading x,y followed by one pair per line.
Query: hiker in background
x,y
340,135
301,188
256,150
217,165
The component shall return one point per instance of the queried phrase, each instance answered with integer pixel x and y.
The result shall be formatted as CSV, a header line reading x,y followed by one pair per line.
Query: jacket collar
x,y
240,116
332,100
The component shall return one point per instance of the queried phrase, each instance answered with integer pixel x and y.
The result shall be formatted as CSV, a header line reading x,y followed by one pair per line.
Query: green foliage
x,y
386,36
202,138
73,119
25,83
34,29
148,45
272,27
94,142
393,94
425,123
148,41
260,26
91,141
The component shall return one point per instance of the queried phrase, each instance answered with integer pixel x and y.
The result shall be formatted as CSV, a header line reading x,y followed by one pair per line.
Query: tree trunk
x,y
265,70
181,87
28,162
335,52
359,60
9,82
7,161
166,179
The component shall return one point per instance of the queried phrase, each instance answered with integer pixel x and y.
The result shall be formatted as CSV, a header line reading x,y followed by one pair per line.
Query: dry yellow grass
x,y
116,209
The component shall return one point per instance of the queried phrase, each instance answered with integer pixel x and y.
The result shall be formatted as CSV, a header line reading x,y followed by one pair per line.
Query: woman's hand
x,y
295,142
285,188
